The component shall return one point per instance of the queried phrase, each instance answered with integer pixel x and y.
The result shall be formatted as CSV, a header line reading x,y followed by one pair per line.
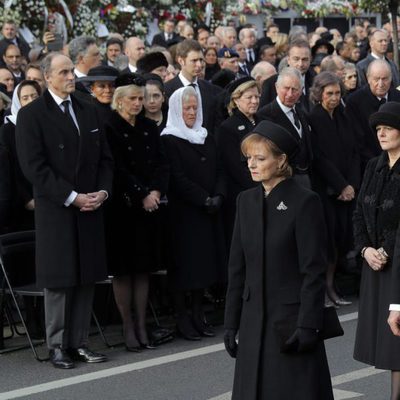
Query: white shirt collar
x,y
132,68
282,106
58,99
384,97
376,56
78,73
185,81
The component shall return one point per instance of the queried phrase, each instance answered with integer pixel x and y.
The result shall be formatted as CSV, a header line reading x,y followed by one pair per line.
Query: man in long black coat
x,y
191,59
299,57
63,153
366,101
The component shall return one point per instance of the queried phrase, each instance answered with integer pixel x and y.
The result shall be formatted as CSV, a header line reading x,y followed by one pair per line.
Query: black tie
x,y
65,104
382,101
193,85
296,118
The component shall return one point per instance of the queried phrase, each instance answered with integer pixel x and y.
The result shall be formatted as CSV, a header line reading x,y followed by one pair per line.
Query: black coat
x,y
5,189
273,112
360,105
334,139
19,217
139,169
277,268
23,46
376,224
209,94
69,243
238,178
268,91
362,67
197,238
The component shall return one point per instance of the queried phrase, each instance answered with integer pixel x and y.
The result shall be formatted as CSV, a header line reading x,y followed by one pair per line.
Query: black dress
x,y
198,247
376,223
132,232
277,270
334,141
238,178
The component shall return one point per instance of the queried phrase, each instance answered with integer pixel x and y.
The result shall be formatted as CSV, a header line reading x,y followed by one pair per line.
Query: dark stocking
x,y
330,279
122,287
197,307
140,296
395,385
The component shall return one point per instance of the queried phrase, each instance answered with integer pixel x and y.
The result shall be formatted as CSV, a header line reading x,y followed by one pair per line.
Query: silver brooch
x,y
241,127
281,206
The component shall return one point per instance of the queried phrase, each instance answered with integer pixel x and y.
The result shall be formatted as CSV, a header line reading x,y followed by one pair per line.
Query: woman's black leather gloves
x,y
302,340
231,345
213,204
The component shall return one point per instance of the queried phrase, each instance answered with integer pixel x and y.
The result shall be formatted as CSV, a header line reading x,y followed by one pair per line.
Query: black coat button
x,y
61,146
145,133
202,159
130,148
125,135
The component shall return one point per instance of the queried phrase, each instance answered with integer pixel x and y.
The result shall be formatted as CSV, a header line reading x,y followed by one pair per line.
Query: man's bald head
x,y
134,49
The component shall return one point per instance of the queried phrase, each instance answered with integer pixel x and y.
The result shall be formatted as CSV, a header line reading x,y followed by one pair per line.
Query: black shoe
x,y
148,346
60,359
185,329
133,349
203,329
86,355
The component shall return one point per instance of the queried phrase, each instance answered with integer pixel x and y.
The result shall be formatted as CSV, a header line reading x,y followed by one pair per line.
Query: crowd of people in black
x,y
136,159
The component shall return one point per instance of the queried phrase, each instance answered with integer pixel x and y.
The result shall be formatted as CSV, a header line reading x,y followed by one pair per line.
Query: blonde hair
x,y
254,139
238,92
281,44
123,91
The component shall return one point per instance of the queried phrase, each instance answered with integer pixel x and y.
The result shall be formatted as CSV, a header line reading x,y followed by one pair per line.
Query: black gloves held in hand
x,y
213,204
231,345
302,340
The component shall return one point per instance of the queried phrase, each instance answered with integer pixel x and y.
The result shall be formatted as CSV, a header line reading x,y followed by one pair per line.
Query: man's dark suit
x,y
209,96
268,91
273,112
362,67
159,40
359,107
57,160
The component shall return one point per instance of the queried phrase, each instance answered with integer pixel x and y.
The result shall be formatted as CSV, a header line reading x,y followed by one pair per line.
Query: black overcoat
x,y
238,178
56,160
360,105
198,245
209,100
140,167
277,268
335,141
376,224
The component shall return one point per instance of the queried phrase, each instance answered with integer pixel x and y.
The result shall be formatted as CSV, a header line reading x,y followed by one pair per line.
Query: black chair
x,y
17,277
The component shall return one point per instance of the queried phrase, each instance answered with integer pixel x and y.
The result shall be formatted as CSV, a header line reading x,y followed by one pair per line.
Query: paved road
x,y
179,370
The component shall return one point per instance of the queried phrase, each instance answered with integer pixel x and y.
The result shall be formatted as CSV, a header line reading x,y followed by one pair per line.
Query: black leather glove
x,y
231,345
213,204
302,340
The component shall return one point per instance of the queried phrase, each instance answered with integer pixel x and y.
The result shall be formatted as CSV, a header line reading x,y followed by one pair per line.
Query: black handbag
x,y
331,327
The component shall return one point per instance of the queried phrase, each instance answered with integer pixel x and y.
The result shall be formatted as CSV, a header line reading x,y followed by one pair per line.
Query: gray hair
x,y
244,30
262,68
350,66
289,72
382,63
79,47
321,81
189,92
45,65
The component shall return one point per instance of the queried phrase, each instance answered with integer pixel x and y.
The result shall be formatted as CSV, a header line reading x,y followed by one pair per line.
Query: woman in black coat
x,y
377,237
20,215
140,180
277,264
338,182
243,105
195,196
